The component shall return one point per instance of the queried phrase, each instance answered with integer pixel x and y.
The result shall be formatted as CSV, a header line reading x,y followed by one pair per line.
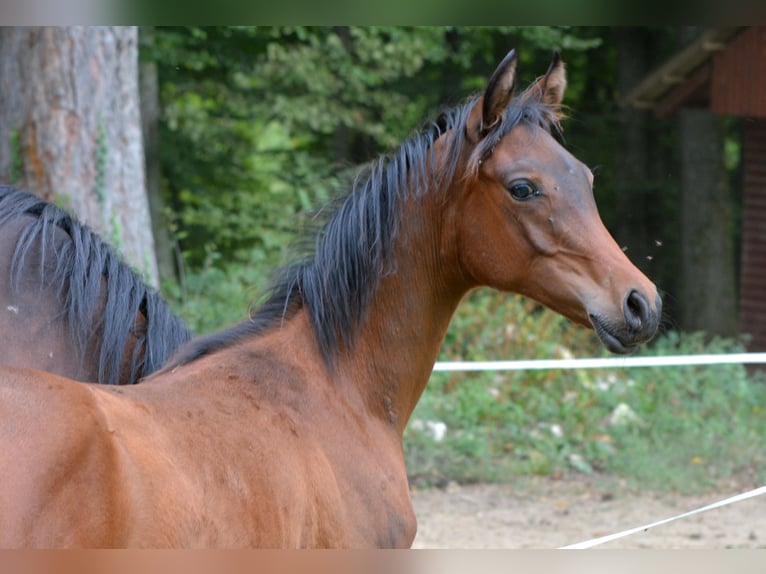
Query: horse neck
x,y
395,350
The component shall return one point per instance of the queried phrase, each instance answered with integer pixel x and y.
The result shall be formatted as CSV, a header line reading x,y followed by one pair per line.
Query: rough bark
x,y
70,129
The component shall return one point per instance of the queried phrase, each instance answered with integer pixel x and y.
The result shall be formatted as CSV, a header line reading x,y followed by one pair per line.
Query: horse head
x,y
540,233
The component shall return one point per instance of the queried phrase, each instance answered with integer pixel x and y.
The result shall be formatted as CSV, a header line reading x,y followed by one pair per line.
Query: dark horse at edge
x,y
69,305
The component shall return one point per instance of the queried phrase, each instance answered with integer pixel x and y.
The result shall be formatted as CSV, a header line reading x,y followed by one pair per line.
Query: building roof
x,y
680,79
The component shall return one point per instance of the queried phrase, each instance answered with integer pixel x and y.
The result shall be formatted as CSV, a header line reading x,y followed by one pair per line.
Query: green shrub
x,y
665,427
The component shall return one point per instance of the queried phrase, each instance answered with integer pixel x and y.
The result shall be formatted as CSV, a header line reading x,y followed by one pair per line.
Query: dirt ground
x,y
548,513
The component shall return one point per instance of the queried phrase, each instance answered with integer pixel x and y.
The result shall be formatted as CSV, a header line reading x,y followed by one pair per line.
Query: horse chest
x,y
375,494
286,489
311,512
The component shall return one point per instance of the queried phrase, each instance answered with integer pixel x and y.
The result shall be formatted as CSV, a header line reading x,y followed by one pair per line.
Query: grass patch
x,y
671,428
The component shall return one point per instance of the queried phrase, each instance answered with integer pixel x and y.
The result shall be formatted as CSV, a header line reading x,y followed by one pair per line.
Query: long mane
x,y
76,269
337,277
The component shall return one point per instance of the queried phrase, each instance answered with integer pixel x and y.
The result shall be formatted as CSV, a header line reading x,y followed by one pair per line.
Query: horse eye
x,y
523,190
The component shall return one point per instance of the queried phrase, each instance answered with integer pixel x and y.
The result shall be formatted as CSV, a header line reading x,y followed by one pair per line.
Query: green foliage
x,y
64,201
669,428
115,231
701,424
258,124
216,297
16,157
100,154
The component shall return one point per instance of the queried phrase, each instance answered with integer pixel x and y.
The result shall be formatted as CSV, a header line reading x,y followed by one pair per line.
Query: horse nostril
x,y
636,309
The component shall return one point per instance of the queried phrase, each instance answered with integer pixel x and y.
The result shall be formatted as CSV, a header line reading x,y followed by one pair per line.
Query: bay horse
x,y
286,430
69,305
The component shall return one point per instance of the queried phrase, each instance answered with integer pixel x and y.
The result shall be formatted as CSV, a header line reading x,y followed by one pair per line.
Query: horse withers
x,y
286,430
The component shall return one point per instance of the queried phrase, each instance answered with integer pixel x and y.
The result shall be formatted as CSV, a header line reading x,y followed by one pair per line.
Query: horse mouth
x,y
609,338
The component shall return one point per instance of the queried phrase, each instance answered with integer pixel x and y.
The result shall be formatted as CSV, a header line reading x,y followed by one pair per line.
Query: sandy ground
x,y
547,513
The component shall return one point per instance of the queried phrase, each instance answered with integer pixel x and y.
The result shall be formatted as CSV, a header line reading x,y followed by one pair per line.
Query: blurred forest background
x,y
246,131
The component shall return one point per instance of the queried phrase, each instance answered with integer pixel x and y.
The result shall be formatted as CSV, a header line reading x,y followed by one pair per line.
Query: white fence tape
x,y
605,363
611,363
603,539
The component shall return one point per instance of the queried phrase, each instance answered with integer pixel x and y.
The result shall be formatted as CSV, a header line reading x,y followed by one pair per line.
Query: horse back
x,y
149,466
260,455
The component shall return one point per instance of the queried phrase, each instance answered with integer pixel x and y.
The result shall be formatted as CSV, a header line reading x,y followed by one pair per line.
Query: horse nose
x,y
639,315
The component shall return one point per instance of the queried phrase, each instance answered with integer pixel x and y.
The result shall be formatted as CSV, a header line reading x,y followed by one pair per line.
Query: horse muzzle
x,y
639,323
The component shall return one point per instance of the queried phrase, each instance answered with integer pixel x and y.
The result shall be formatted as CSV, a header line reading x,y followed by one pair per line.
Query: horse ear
x,y
498,93
549,89
555,81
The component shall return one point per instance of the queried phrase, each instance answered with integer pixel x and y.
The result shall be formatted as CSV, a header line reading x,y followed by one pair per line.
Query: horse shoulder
x,y
340,473
342,470
61,467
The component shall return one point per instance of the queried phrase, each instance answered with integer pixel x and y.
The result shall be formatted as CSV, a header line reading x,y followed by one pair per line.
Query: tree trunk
x,y
708,283
708,297
150,119
70,129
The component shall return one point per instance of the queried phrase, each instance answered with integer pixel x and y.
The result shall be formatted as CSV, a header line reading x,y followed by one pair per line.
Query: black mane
x,y
336,279
80,266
